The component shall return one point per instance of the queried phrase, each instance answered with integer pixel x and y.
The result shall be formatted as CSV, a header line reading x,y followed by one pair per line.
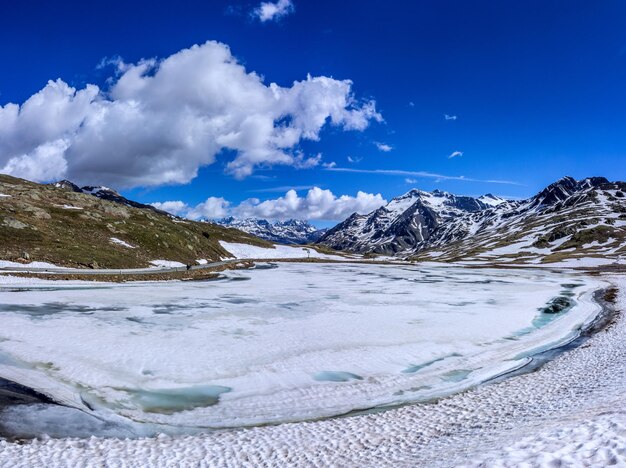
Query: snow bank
x,y
280,251
7,264
166,264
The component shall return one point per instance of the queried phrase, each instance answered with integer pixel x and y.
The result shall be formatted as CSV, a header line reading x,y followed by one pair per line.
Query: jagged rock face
x,y
564,188
405,222
292,231
67,185
567,219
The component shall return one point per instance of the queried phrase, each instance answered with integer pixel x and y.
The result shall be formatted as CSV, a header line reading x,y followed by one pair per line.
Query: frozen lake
x,y
291,343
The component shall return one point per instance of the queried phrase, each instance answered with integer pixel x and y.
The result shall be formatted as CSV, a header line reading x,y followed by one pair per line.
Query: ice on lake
x,y
295,342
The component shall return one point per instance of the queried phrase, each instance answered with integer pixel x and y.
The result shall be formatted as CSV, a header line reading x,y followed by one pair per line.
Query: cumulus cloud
x,y
175,207
352,160
455,154
161,120
317,204
408,180
383,147
273,11
212,207
450,117
45,162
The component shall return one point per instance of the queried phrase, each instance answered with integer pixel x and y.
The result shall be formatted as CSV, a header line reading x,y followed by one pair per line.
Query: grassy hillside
x,y
46,223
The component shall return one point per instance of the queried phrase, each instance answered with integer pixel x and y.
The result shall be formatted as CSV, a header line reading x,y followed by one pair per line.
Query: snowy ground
x,y
571,411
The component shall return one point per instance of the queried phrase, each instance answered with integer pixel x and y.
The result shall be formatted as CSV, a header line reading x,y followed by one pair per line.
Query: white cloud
x,y
455,154
424,174
45,162
383,147
354,160
317,204
212,207
411,104
270,11
410,181
450,117
329,165
177,207
283,188
162,120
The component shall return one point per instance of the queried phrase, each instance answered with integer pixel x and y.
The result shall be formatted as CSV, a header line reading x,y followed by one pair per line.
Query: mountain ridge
x,y
457,229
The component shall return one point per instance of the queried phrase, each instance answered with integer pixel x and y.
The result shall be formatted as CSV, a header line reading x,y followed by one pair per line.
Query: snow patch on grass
x,y
117,241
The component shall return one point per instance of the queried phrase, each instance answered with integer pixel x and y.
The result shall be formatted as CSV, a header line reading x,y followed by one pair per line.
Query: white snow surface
x,y
166,264
569,413
245,251
8,264
70,207
4,195
491,200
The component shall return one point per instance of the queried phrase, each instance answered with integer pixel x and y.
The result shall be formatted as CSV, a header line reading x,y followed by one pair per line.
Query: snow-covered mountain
x,y
292,231
406,222
568,219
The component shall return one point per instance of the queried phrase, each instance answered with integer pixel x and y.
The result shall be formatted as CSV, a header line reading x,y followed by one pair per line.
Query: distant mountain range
x,y
292,231
568,219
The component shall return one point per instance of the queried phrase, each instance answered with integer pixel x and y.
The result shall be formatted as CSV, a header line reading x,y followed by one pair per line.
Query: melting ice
x,y
296,342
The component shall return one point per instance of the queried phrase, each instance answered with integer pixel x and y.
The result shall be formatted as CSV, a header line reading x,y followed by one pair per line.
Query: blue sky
x,y
537,88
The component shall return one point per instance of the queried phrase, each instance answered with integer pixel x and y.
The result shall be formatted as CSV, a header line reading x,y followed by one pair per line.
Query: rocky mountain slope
x,y
569,219
292,231
96,227
105,193
406,222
